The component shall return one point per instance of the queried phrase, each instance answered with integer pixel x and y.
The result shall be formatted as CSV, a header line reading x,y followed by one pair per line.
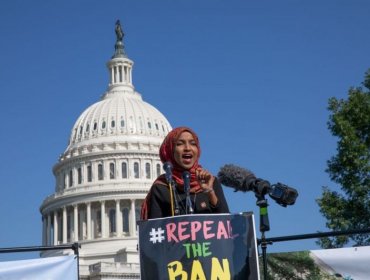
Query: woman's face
x,y
186,150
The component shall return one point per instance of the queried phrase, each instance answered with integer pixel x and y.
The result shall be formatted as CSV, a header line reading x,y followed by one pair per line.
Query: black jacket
x,y
160,201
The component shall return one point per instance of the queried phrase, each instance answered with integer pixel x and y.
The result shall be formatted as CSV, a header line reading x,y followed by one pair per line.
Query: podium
x,y
199,247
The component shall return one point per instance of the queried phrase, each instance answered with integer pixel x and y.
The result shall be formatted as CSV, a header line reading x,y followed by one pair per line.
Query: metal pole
x,y
75,248
34,248
315,235
264,226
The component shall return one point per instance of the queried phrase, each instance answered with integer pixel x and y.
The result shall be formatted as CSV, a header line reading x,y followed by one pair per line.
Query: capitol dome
x,y
118,114
103,176
121,116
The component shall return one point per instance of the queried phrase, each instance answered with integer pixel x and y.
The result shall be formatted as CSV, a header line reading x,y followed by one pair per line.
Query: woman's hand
x,y
205,180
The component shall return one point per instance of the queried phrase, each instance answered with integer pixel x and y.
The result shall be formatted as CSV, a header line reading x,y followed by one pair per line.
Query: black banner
x,y
199,247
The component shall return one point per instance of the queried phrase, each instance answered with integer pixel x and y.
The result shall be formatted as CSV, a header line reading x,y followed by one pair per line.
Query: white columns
x,y
55,228
102,211
64,225
132,219
129,75
118,219
116,79
75,222
88,220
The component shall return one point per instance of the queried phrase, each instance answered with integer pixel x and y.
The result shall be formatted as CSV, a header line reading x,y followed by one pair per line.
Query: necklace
x,y
180,202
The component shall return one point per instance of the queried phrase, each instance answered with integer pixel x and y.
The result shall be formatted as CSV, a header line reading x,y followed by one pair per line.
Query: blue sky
x,y
252,78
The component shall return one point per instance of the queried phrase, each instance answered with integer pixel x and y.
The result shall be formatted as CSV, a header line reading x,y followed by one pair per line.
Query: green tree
x,y
294,266
350,168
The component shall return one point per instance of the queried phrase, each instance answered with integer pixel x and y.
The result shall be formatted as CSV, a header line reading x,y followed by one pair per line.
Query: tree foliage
x,y
294,266
350,168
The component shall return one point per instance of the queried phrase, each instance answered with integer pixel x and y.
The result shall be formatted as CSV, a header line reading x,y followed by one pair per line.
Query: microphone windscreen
x,y
167,166
236,177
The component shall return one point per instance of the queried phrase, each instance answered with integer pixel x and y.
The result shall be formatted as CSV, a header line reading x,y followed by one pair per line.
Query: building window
x,y
122,123
70,183
112,123
124,170
79,175
103,125
112,173
112,220
158,169
147,170
136,170
64,180
149,125
95,126
100,171
141,123
125,220
89,173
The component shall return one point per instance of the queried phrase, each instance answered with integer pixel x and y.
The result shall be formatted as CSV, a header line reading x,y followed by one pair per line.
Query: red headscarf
x,y
166,154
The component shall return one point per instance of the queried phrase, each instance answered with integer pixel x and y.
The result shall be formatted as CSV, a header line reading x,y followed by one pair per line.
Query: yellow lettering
x,y
197,272
175,270
219,273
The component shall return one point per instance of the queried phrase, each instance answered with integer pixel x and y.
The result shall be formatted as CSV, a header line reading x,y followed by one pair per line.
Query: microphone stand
x,y
264,226
172,185
189,206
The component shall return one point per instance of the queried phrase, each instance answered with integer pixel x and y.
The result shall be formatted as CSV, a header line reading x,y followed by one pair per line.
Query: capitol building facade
x,y
104,175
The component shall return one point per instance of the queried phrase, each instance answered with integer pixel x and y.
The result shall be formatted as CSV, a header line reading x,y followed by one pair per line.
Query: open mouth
x,y
187,158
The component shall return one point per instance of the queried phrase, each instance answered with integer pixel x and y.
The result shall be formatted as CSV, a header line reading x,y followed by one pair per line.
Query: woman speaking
x,y
186,188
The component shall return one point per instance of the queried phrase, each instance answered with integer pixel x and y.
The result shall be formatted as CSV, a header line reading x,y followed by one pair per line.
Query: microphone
x,y
239,178
244,180
167,166
186,178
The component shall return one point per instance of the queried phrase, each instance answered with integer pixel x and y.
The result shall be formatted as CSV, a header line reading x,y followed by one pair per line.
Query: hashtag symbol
x,y
156,235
